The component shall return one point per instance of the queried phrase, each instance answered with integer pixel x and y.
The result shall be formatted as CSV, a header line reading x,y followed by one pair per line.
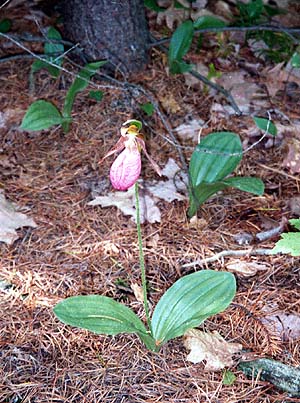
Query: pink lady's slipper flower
x,y
126,168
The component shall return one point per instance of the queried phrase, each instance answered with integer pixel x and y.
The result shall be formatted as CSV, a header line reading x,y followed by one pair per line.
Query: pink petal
x,y
126,169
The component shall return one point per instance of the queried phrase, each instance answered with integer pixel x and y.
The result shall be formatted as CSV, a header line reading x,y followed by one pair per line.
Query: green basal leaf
x,y
246,184
5,25
148,108
215,157
79,84
191,300
97,95
265,125
180,42
208,21
289,243
102,315
41,115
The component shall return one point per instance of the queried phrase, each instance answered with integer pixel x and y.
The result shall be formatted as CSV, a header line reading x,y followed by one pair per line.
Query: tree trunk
x,y
112,30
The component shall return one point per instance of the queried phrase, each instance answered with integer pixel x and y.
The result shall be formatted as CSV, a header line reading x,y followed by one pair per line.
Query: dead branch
x,y
225,253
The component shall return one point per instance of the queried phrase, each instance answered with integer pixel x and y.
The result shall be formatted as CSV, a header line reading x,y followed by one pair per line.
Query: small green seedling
x,y
213,159
290,241
148,108
43,114
53,52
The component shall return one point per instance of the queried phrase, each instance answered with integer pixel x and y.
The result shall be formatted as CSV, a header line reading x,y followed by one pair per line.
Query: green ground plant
x,y
290,241
44,114
213,159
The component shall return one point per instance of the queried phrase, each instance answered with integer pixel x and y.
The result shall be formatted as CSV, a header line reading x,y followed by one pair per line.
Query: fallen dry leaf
x,y
292,159
174,15
276,78
247,95
190,130
169,103
285,325
246,269
138,292
10,220
210,347
125,201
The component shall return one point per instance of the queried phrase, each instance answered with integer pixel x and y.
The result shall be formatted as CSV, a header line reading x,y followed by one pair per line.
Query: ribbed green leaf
x,y
102,315
180,42
191,300
41,115
246,184
212,159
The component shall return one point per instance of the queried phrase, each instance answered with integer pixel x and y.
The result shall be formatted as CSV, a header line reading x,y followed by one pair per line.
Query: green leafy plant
x,y
182,38
53,53
180,44
148,108
213,159
290,241
186,304
279,44
43,114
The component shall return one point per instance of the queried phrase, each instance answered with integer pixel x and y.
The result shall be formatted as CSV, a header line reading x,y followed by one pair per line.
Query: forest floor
x,y
77,248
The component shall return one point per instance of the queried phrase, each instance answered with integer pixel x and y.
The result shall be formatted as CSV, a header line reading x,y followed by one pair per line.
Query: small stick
x,y
224,253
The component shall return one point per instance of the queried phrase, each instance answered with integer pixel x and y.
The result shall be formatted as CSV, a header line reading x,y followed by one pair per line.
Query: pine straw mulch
x,y
79,249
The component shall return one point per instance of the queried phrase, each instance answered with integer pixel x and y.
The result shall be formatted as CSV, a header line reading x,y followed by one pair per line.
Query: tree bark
x,y
115,30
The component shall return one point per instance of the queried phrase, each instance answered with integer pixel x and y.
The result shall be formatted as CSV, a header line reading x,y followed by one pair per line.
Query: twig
x,y
287,31
40,39
224,253
38,57
18,56
280,172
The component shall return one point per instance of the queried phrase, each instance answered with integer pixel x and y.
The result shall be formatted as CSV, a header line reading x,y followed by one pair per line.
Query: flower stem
x,y
141,255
